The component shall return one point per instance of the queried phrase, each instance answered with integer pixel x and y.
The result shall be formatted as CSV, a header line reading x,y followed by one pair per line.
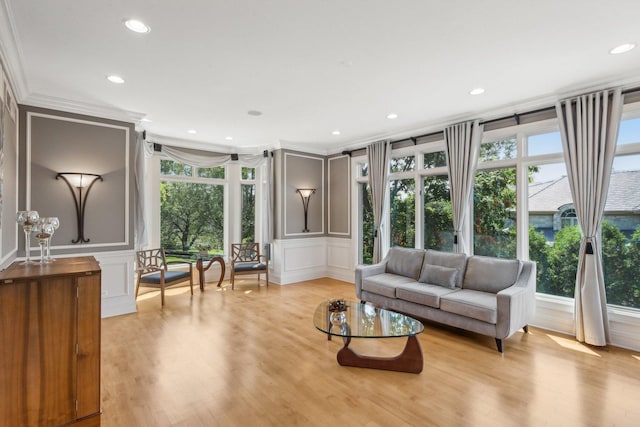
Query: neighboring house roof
x,y
624,193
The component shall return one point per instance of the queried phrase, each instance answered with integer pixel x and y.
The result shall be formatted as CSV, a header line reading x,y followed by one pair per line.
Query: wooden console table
x,y
50,330
201,269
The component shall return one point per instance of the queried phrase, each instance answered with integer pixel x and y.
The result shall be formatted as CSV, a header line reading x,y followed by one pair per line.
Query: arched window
x,y
568,217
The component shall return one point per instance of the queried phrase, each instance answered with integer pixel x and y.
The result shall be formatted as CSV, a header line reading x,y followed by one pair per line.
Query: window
x,y
191,209
494,207
621,233
366,223
248,209
402,164
402,215
438,217
554,235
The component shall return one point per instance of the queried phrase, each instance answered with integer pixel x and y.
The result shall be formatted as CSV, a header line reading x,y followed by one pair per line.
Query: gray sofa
x,y
490,296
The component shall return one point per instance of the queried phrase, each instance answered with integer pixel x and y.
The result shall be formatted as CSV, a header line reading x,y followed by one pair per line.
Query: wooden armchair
x,y
246,259
151,266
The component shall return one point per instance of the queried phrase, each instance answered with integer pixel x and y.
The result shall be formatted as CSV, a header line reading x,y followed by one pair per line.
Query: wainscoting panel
x,y
118,282
298,260
340,263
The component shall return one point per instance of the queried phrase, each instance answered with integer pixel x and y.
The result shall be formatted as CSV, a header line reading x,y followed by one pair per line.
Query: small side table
x,y
201,269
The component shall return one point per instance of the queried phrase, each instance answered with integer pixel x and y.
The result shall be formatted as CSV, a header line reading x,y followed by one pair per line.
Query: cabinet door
x,y
14,336
52,352
89,300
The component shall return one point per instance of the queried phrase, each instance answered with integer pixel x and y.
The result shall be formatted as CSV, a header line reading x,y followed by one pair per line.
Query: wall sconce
x,y
80,184
305,194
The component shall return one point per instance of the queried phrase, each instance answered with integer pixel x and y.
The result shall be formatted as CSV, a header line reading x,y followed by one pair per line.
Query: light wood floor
x,y
251,357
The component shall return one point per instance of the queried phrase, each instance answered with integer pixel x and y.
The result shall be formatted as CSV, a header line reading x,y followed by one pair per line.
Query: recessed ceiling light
x,y
335,132
476,91
392,116
626,47
115,79
192,131
254,113
229,138
137,26
144,119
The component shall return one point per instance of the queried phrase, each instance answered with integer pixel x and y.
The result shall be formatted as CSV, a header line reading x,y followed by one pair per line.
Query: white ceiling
x,y
312,66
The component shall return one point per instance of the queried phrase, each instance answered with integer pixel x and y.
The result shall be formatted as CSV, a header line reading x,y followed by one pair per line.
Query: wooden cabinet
x,y
50,343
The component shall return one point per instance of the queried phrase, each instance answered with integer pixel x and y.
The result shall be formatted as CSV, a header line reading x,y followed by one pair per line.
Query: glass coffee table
x,y
358,320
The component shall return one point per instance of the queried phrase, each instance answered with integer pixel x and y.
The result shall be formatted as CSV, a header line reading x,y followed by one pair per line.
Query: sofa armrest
x,y
364,271
516,303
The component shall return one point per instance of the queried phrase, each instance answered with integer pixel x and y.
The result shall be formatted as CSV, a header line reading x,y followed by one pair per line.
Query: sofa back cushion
x,y
443,259
438,275
489,274
405,262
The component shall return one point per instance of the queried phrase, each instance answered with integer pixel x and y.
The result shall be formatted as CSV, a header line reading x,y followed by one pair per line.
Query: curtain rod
x,y
515,116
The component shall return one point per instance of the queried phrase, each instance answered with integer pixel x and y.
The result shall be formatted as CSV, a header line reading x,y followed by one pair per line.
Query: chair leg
x,y
162,293
233,277
499,344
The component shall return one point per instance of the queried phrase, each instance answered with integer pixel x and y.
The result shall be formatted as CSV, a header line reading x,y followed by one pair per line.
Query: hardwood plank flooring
x,y
251,357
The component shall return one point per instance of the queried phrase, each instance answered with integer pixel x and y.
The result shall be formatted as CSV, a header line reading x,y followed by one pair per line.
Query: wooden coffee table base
x,y
410,360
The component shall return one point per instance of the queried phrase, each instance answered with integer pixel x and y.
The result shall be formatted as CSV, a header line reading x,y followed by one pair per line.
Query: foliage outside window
x,y
435,160
248,207
403,217
366,222
494,203
191,211
438,216
402,164
215,172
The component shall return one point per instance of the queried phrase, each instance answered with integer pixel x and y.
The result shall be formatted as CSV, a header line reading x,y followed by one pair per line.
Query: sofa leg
x,y
525,328
499,344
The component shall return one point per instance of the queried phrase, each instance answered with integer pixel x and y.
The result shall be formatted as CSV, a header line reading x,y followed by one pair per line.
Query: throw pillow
x,y
437,275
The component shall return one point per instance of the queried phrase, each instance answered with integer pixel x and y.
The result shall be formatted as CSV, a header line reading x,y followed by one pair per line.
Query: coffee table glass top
x,y
364,321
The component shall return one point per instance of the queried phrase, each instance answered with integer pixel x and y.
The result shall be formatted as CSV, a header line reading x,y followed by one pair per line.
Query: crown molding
x,y
69,106
11,54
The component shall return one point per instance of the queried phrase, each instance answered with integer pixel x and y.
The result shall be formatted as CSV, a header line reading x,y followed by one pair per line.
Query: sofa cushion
x,y
384,284
422,293
449,260
474,304
405,262
437,275
490,274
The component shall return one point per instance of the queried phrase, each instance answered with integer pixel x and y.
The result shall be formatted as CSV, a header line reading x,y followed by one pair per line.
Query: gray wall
x,y
329,207
8,176
339,196
53,141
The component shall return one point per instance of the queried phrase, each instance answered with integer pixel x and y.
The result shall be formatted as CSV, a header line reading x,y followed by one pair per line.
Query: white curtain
x,y
141,234
589,127
462,150
378,155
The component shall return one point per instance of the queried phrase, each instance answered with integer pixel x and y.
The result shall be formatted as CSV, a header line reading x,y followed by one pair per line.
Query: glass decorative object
x,y
44,231
55,223
27,220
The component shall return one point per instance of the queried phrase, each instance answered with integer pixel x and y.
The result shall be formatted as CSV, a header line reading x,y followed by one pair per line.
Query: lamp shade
x,y
306,192
79,179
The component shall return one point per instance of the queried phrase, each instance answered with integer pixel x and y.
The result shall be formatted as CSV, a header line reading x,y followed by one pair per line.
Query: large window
x,y
403,212
494,202
248,207
437,217
621,232
191,209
